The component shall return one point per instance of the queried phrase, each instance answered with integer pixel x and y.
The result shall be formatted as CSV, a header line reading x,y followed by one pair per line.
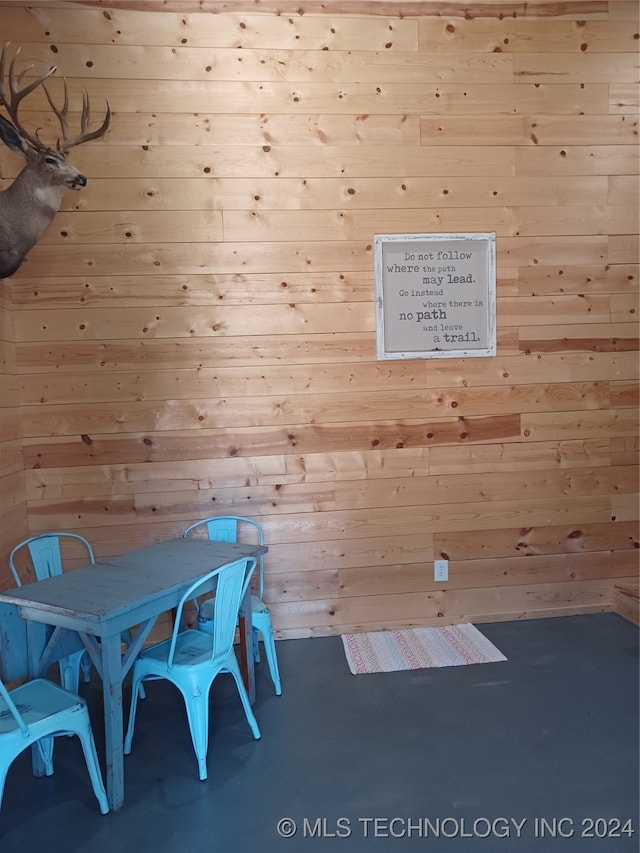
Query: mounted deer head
x,y
33,199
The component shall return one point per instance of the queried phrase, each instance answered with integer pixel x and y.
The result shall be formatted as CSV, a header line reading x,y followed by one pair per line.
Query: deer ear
x,y
11,138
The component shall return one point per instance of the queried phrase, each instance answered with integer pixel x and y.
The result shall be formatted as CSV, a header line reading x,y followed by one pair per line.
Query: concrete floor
x,y
538,753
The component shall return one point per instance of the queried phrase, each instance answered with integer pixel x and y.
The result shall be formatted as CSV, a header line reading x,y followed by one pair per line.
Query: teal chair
x,y
46,560
35,713
232,528
193,659
45,553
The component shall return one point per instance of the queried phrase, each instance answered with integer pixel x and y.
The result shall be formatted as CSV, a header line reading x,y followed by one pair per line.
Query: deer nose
x,y
81,181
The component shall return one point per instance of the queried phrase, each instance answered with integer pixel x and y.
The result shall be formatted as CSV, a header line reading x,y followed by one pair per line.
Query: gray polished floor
x,y
538,753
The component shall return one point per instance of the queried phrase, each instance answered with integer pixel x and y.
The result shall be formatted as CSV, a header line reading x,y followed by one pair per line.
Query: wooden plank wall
x,y
13,504
195,334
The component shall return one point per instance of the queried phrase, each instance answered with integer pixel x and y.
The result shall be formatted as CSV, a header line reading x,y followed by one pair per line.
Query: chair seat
x,y
257,606
37,700
34,714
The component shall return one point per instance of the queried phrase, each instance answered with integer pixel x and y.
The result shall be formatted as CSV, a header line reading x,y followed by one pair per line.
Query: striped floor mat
x,y
418,648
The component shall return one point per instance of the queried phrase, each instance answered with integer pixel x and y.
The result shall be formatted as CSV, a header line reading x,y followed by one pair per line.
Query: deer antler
x,y
85,135
17,94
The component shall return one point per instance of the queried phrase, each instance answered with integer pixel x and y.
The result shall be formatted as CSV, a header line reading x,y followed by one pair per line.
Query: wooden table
x,y
101,601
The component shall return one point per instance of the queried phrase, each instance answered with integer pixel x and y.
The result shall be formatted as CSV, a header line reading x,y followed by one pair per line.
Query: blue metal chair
x,y
226,528
35,713
192,659
46,559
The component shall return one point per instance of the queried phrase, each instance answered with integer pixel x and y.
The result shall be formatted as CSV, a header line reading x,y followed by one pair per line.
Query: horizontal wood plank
x,y
201,29
201,443
518,36
325,256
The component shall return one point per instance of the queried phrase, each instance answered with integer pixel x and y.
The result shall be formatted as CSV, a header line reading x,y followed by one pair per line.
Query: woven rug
x,y
418,648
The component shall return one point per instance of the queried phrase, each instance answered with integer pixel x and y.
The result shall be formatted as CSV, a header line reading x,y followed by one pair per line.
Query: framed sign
x,y
435,295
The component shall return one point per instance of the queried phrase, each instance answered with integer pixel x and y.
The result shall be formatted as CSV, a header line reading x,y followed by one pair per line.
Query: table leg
x,y
14,662
113,722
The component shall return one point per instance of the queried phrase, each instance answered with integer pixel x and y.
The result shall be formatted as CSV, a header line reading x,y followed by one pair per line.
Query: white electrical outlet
x,y
441,570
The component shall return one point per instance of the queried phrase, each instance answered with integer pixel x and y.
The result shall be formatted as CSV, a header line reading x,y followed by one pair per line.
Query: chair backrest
x,y
46,554
232,583
229,528
13,710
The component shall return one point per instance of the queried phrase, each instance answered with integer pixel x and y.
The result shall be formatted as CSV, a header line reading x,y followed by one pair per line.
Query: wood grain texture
x,y
196,331
13,505
400,8
626,600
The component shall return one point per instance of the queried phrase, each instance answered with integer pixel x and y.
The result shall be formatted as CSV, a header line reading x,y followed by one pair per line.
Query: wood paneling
x,y
13,502
195,333
627,601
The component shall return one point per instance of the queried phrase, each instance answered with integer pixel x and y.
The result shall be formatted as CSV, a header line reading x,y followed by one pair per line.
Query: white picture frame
x,y
435,295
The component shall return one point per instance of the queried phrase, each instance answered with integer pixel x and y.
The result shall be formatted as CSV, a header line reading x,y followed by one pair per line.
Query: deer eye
x,y
51,161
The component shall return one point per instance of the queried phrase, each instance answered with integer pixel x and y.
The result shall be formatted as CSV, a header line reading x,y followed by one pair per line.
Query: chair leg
x,y
270,653
45,748
234,669
91,758
70,673
127,639
197,705
70,680
135,692
4,769
85,663
6,760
